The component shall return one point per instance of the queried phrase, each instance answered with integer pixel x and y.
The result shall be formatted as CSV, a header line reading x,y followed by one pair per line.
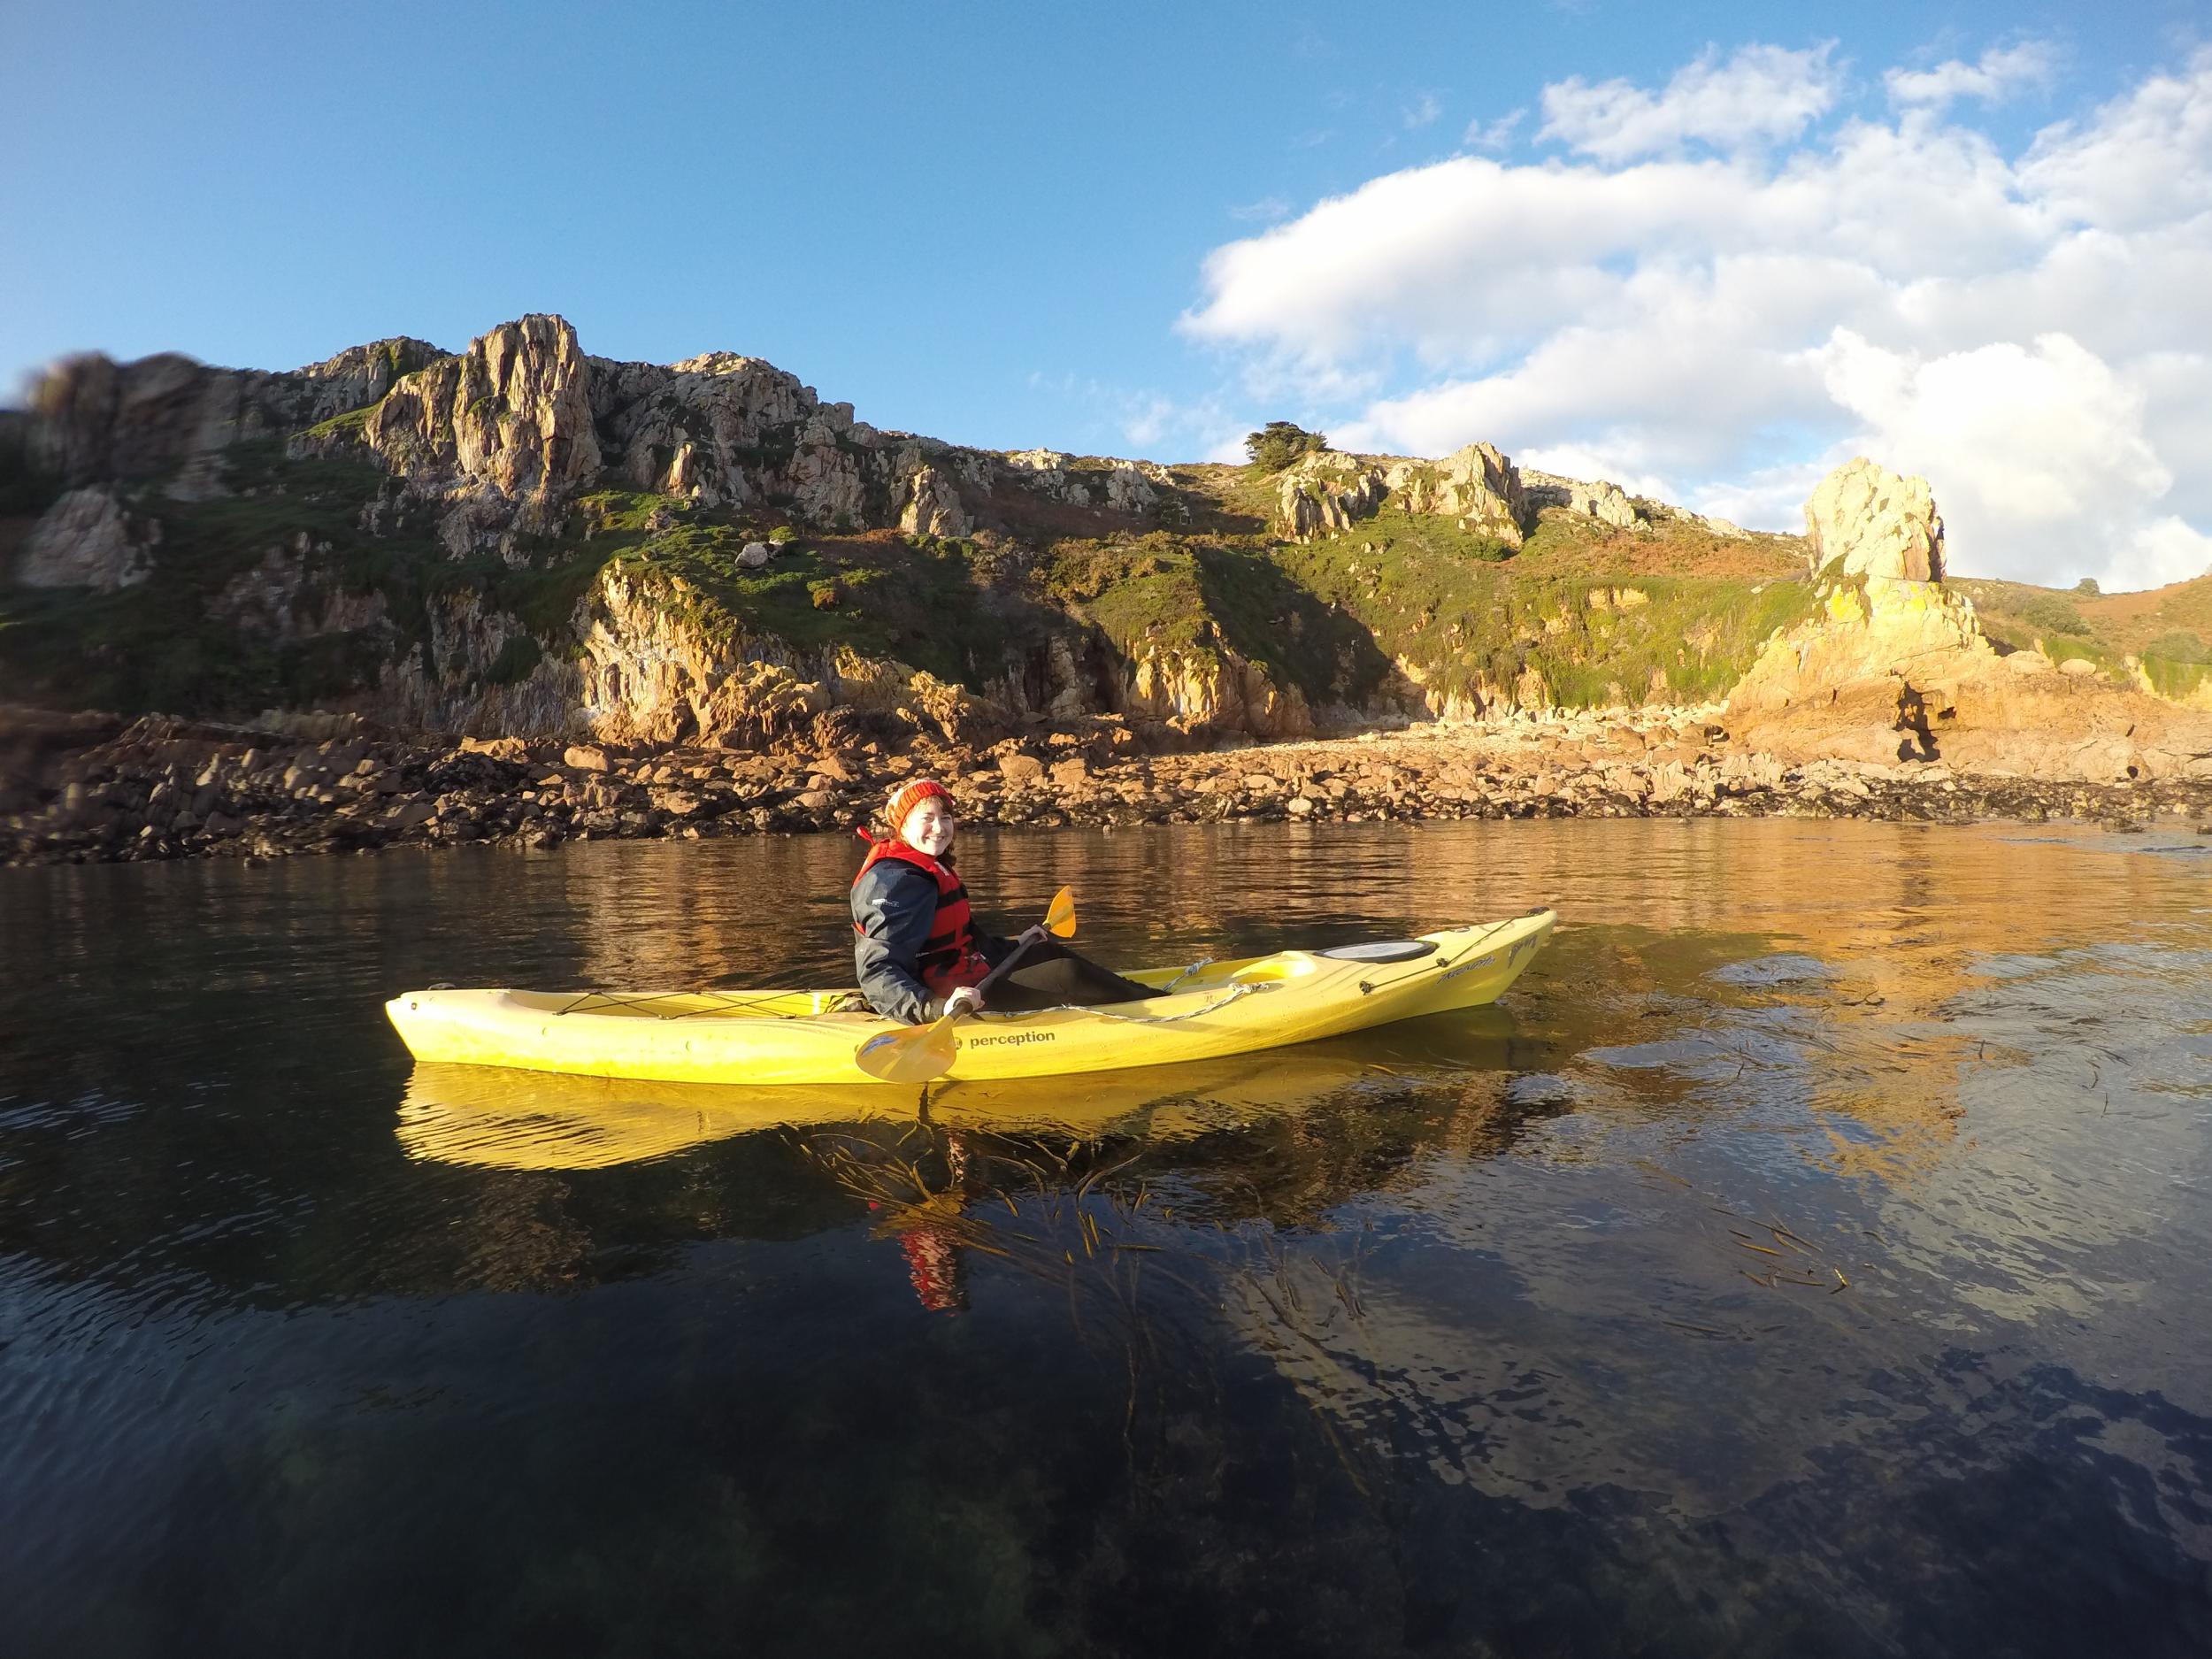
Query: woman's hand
x,y
966,999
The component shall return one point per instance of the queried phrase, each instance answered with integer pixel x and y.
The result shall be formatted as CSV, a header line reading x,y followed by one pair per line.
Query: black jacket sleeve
x,y
894,904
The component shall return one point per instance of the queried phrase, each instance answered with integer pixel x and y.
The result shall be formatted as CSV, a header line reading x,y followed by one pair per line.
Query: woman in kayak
x,y
917,947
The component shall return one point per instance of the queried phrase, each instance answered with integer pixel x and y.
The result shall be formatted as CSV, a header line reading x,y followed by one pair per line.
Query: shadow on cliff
x,y
1265,615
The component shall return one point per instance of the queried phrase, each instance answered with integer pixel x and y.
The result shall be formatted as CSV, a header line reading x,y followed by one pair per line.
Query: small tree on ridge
x,y
1276,445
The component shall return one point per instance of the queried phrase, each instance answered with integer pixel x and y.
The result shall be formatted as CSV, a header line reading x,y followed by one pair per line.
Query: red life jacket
x,y
949,958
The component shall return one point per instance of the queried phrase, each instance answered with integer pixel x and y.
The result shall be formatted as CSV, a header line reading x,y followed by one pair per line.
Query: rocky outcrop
x,y
1215,691
651,673
1876,523
357,377
1476,485
85,539
510,415
1661,511
95,418
1606,503
1480,697
720,427
278,600
1325,493
1130,487
934,506
1897,668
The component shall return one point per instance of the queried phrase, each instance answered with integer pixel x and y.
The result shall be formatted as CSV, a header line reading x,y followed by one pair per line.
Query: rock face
x,y
1712,527
1130,487
934,506
649,676
85,540
511,415
1876,522
1325,493
1896,668
499,438
95,418
1220,692
1476,485
1606,503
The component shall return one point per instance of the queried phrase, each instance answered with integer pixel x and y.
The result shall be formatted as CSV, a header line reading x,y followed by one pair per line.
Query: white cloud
x,y
1149,421
1492,135
2163,551
1266,210
1422,111
1761,96
2028,328
1158,427
2000,71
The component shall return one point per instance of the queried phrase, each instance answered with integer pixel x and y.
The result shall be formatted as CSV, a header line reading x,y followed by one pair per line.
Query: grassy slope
x,y
939,606
2167,629
158,645
1670,613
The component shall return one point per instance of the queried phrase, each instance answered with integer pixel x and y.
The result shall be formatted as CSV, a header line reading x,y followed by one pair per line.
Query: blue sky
x,y
1103,228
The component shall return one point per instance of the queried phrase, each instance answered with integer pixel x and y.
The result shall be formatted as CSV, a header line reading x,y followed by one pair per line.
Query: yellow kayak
x,y
1203,1011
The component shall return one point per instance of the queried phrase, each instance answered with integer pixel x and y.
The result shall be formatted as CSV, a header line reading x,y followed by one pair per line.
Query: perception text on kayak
x,y
1016,1037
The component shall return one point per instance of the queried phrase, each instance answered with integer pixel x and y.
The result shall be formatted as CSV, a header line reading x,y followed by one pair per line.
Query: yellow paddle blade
x,y
913,1053
1060,914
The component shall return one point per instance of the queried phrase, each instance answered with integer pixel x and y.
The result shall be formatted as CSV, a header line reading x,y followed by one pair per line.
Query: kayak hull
x,y
785,1038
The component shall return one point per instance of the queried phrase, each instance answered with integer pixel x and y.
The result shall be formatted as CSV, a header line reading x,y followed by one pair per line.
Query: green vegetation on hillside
x,y
1463,611
1595,628
2165,630
928,603
176,640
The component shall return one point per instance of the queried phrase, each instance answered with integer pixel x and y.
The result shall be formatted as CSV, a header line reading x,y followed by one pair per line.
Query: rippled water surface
x,y
1813,1253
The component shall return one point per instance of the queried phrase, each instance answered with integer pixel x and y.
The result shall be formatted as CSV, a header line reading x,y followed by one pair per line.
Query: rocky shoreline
x,y
87,790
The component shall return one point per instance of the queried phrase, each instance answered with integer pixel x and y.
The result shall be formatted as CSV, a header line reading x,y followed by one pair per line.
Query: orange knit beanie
x,y
909,795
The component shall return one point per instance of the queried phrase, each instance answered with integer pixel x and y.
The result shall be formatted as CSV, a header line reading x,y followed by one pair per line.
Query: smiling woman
x,y
916,948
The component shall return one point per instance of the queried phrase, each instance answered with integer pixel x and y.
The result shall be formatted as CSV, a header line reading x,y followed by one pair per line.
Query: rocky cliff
x,y
521,539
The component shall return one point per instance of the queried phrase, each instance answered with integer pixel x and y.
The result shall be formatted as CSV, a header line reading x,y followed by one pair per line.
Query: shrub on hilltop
x,y
1280,442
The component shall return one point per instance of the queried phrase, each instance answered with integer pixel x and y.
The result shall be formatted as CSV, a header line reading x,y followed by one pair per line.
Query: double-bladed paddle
x,y
916,1054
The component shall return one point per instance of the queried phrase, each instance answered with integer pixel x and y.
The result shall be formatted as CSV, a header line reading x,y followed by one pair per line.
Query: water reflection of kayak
x,y
495,1118
780,1038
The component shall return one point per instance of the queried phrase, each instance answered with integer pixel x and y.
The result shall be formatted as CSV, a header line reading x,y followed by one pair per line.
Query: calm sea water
x,y
1812,1254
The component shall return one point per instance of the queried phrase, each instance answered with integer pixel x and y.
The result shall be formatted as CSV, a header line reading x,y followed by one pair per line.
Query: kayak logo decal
x,y
1014,1040
1469,967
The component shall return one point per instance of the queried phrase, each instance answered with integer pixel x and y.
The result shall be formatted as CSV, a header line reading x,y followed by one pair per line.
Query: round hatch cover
x,y
1382,950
